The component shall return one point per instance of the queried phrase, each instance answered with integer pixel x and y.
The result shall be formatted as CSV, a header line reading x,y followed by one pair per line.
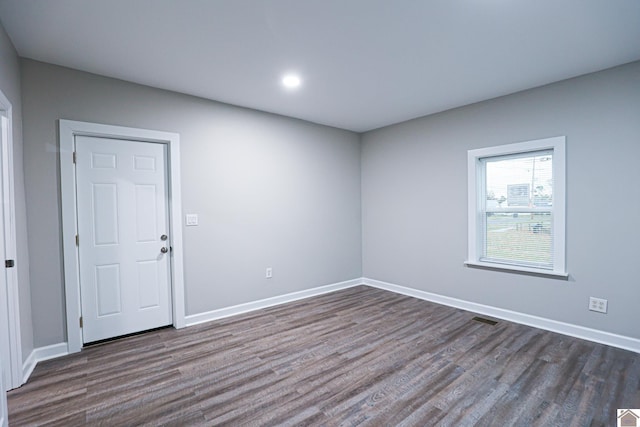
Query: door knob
x,y
163,237
164,250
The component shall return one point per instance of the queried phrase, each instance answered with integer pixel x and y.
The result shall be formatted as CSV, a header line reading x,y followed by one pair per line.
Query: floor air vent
x,y
483,320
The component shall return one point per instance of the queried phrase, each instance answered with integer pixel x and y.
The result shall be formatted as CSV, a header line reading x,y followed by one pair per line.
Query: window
x,y
517,207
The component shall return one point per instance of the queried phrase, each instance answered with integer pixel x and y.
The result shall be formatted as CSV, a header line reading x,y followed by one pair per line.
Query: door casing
x,y
69,129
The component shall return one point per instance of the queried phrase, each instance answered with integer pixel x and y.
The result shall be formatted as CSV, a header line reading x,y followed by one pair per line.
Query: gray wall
x,y
269,191
279,192
10,86
414,199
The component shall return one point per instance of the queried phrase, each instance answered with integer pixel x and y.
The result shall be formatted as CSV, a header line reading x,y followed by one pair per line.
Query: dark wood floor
x,y
360,356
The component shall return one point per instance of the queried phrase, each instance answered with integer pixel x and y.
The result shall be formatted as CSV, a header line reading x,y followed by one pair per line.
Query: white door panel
x,y
5,321
122,213
10,363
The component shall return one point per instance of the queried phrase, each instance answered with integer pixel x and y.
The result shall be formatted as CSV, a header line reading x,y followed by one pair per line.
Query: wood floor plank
x,y
361,356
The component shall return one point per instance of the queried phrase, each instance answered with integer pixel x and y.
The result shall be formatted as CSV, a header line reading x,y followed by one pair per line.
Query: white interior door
x,y
10,351
5,340
123,236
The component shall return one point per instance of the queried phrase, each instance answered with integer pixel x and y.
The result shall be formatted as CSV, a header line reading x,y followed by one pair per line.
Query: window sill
x,y
517,269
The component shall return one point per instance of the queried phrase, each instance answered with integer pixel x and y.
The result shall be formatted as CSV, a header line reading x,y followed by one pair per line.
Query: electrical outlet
x,y
598,304
268,273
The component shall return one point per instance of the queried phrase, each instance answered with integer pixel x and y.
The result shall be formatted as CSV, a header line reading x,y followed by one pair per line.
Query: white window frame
x,y
476,178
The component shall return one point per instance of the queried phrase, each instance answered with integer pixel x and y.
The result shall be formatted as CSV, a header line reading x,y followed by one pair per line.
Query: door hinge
x,y
8,263
77,240
74,157
81,321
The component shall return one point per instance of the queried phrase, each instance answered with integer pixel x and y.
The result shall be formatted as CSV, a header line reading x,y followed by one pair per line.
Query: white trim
x,y
41,354
68,130
508,267
607,338
13,301
475,180
208,316
62,349
602,337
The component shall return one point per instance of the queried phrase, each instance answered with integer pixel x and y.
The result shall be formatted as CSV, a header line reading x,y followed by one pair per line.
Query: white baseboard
x,y
57,350
208,316
627,343
602,337
41,354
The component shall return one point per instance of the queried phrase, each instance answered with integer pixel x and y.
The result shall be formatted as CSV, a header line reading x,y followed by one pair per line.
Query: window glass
x,y
518,209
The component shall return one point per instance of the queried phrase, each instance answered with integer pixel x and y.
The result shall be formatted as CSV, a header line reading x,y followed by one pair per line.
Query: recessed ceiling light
x,y
291,81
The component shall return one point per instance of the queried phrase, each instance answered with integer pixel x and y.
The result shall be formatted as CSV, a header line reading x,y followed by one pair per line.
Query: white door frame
x,y
68,131
8,201
4,422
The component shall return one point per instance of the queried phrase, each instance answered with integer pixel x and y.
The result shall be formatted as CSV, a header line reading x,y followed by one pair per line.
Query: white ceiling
x,y
364,63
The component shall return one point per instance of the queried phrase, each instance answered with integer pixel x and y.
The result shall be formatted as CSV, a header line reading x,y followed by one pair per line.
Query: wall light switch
x,y
191,220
